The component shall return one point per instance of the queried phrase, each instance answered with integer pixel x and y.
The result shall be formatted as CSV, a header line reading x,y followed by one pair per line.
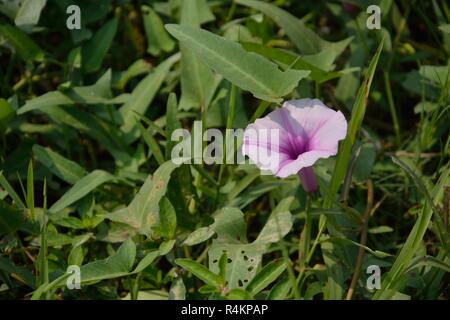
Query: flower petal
x,y
328,135
310,114
264,146
304,160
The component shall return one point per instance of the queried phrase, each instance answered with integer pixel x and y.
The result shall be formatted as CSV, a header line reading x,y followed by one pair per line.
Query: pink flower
x,y
300,133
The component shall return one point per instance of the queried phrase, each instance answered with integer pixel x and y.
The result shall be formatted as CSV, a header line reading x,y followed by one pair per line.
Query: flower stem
x,y
308,226
305,241
308,179
322,225
392,109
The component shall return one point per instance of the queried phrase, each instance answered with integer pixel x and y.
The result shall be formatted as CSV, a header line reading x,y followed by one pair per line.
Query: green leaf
x,y
203,11
149,295
223,265
380,229
151,124
83,186
146,261
60,166
314,289
157,38
306,40
98,93
198,236
229,225
142,96
239,294
117,265
10,8
151,143
198,83
208,289
76,256
166,247
248,71
58,282
95,50
280,290
244,258
168,218
445,28
318,64
177,289
201,272
29,13
278,225
428,261
99,129
137,68
26,48
143,212
437,74
266,276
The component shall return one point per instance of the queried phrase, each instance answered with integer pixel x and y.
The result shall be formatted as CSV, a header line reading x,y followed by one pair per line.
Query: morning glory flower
x,y
300,133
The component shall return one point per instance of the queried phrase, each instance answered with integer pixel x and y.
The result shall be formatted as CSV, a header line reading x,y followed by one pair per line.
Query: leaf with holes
x,y
245,258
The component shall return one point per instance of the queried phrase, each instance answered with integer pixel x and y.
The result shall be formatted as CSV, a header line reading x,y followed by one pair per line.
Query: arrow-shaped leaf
x,y
246,70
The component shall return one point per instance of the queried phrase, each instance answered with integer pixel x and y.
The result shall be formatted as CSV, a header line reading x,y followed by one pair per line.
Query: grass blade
x,y
81,188
390,284
5,184
151,143
30,189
